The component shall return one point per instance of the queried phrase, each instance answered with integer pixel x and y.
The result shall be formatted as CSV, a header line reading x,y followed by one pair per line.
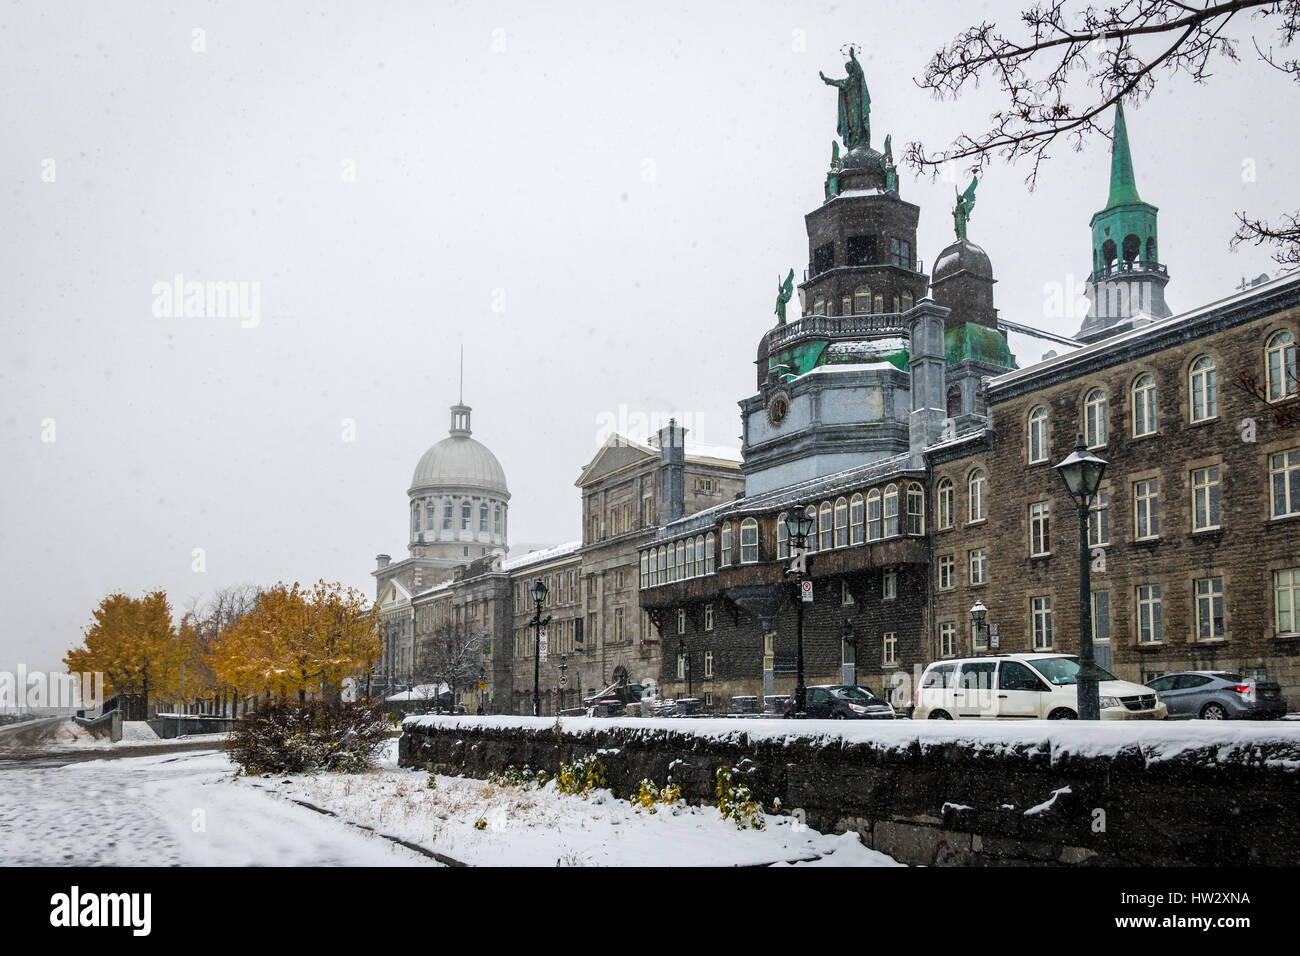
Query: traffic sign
x,y
482,684
807,592
542,644
564,680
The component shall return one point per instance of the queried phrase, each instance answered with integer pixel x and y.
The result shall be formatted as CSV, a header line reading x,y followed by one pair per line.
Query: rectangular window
x,y
979,564
1205,499
890,644
889,586
1286,600
861,251
1039,531
900,253
446,517
681,667
947,572
618,624
1101,615
846,596
1040,609
1209,609
466,512
708,663
1284,472
647,511
947,640
1146,509
749,542
1151,628
823,258
1099,520
708,617
681,620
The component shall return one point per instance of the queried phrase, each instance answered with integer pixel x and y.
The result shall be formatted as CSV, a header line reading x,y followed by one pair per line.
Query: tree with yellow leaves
x,y
134,644
299,640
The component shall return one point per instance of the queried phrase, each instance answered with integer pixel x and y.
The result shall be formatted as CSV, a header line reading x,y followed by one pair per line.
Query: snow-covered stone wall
x,y
932,792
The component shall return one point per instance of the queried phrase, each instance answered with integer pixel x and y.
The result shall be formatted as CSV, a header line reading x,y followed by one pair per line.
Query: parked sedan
x,y
1218,695
846,702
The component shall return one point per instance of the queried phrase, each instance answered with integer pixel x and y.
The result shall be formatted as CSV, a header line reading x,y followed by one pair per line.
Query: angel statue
x,y
965,203
784,290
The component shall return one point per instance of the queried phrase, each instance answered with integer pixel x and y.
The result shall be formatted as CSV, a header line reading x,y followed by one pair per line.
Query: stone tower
x,y
833,382
1127,282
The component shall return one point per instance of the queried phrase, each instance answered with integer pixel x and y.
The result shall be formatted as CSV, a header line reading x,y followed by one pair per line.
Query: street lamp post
x,y
978,615
799,528
1081,471
538,593
482,680
564,680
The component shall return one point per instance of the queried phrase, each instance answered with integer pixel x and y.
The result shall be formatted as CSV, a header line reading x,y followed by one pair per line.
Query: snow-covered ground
x,y
1276,742
531,827
191,809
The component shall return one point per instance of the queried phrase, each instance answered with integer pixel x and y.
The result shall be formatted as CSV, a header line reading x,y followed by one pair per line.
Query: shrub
x,y
582,775
513,776
286,736
650,797
736,802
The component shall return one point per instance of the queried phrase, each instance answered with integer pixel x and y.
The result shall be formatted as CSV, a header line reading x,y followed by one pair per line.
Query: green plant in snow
x,y
736,802
582,776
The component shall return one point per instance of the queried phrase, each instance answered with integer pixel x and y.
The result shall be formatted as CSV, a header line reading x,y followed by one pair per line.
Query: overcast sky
x,y
595,200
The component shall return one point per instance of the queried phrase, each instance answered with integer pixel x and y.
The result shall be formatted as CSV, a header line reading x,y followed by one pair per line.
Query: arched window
x,y
819,307
645,569
1132,246
1144,405
862,299
856,516
690,557
709,542
915,509
976,487
699,555
782,537
482,517
954,401
825,529
891,510
1108,254
846,305
841,523
811,544
749,541
663,565
1038,434
880,302
907,300
726,544
1203,389
945,497
896,304
1151,250
874,526
1279,363
681,560
1094,418
415,518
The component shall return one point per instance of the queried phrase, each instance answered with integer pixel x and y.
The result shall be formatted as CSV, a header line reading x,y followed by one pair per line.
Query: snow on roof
x,y
539,557
850,367
420,692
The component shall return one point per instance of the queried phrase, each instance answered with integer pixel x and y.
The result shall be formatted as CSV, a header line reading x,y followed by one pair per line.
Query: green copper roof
x,y
1123,188
978,342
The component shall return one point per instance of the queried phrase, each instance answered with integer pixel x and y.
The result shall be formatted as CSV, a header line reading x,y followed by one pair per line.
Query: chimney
x,y
672,472
382,560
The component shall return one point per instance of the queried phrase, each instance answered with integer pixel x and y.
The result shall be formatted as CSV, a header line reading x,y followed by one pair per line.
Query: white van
x,y
1025,686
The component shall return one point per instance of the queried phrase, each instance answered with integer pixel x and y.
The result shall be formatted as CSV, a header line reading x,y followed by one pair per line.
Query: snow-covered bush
x,y
736,802
513,776
581,776
650,797
288,736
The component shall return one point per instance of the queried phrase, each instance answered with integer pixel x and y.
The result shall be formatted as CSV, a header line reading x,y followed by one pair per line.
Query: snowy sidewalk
x,y
182,809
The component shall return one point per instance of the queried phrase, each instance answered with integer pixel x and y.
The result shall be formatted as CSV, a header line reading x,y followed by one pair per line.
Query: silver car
x,y
1218,695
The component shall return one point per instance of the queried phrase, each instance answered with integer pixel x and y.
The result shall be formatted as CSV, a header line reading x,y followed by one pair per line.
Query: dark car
x,y
846,702
776,705
1218,695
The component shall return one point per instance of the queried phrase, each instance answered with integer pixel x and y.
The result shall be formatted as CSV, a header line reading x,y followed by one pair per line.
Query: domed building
x,y
458,507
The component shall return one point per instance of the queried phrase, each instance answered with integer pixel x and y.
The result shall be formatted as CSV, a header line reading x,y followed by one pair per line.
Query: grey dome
x,y
458,462
963,256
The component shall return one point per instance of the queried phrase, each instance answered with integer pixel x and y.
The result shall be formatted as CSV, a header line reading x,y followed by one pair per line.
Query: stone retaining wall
x,y
948,795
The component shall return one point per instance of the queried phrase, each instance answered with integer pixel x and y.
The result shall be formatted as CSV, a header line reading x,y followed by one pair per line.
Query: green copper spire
x,y
1123,188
